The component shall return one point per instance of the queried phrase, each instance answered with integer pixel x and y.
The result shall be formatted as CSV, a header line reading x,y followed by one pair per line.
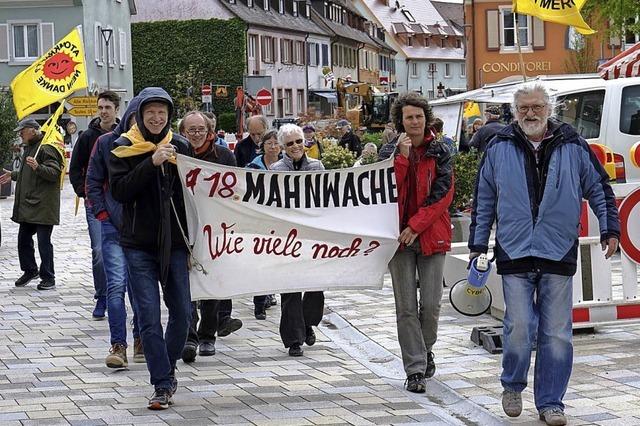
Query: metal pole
x,y
106,35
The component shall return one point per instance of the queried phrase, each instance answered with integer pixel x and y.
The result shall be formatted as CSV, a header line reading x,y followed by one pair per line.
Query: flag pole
x,y
517,30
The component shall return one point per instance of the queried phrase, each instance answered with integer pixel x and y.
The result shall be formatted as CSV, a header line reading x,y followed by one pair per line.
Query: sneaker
x,y
174,381
160,400
296,350
207,349
46,285
553,416
189,352
271,300
415,383
431,366
260,313
229,326
138,350
512,403
310,340
25,278
100,309
117,357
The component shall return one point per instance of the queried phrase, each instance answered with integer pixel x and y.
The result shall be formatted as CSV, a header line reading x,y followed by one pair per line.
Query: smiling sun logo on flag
x,y
59,66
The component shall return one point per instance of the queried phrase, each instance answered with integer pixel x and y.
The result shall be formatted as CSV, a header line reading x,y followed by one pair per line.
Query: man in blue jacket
x,y
109,213
532,179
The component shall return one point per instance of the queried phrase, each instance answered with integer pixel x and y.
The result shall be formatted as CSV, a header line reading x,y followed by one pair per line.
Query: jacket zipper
x,y
133,225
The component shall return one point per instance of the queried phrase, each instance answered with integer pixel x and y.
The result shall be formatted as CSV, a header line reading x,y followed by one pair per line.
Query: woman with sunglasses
x,y
299,313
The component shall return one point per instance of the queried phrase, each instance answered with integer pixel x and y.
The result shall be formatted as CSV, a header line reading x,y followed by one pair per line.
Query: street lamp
x,y
106,35
432,72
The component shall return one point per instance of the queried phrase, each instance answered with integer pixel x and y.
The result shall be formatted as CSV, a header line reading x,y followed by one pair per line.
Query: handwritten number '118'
x,y
228,180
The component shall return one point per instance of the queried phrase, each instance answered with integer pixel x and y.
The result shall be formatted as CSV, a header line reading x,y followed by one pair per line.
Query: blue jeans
x,y
97,267
161,351
538,304
117,273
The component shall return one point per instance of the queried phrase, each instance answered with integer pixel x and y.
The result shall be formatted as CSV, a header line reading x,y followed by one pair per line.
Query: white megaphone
x,y
470,296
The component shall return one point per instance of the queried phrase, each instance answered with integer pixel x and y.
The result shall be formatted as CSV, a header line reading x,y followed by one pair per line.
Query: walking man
x,y
143,177
108,105
424,175
109,213
36,207
532,179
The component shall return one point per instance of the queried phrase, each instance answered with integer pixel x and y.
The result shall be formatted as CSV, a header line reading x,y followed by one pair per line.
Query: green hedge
x,y
177,55
8,122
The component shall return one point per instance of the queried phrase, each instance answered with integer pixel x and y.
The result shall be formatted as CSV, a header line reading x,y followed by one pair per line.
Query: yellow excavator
x,y
364,104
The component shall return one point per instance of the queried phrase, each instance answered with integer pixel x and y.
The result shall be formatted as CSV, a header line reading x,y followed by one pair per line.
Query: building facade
x,y
547,48
28,28
430,53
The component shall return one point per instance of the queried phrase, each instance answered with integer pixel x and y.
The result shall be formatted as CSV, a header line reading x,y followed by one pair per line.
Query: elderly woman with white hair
x,y
299,313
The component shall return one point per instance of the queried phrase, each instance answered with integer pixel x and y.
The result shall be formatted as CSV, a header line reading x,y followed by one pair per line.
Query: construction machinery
x,y
364,104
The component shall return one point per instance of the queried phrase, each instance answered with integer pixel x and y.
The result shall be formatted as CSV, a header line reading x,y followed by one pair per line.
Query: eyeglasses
x,y
193,132
297,141
523,109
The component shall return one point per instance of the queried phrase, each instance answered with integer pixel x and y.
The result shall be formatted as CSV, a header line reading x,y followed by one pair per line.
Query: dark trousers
x,y
224,311
206,331
26,251
298,313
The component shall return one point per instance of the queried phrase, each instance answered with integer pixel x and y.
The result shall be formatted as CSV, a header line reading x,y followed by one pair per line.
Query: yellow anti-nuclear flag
x,y
52,77
565,12
53,137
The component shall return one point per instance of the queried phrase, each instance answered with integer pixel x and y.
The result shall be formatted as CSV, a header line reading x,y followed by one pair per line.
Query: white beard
x,y
533,128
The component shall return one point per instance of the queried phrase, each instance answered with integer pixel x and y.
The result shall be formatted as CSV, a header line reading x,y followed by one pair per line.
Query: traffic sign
x,y
206,99
83,111
206,90
84,101
264,97
630,226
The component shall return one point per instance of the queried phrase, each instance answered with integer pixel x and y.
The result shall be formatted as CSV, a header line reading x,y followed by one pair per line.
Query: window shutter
x,y
4,43
97,41
262,49
614,41
48,37
317,55
309,53
538,33
123,48
274,48
282,55
493,30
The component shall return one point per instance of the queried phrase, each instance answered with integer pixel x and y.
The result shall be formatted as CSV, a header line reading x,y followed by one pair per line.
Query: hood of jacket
x,y
123,126
153,94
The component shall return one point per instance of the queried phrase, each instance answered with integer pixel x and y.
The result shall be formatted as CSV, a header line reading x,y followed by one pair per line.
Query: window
x,y
508,33
583,111
426,41
295,8
443,42
325,55
631,38
313,54
433,68
409,41
463,69
408,15
268,51
414,69
430,94
286,51
250,3
252,46
298,53
630,110
25,41
458,43
288,101
300,101
281,6
112,49
334,55
447,70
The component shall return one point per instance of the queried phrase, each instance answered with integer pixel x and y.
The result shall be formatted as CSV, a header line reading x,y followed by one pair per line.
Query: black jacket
x,y
352,142
144,190
484,135
246,151
81,154
218,154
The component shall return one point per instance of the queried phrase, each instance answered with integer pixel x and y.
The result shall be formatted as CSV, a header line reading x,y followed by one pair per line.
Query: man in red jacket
x,y
424,175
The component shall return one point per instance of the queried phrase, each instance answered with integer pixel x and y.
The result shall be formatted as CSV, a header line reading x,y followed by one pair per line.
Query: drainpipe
x,y
331,63
407,60
360,46
306,73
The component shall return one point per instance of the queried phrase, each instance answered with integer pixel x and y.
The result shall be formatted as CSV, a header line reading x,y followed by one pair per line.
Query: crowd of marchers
x,y
532,177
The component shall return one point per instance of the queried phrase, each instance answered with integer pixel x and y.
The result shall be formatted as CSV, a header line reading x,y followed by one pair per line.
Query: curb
x,y
439,399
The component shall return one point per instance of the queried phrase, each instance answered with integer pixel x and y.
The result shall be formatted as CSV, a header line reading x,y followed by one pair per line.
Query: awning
x,y
625,64
331,97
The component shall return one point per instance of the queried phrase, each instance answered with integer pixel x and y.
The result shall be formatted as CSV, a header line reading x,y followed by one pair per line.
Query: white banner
x,y
262,232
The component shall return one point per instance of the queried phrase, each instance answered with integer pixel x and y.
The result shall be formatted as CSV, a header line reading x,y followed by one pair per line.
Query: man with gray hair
x,y
249,148
532,179
36,207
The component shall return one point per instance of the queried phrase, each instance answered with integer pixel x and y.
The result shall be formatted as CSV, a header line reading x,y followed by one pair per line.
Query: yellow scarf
x,y
139,145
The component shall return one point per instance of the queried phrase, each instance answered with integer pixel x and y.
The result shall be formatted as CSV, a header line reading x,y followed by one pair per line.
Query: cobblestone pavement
x,y
52,362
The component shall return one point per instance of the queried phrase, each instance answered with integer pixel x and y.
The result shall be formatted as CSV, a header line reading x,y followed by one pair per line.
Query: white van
x,y
602,111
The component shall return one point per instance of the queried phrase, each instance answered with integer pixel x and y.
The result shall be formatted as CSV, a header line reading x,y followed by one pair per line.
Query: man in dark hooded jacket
x,y
109,212
108,106
144,178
